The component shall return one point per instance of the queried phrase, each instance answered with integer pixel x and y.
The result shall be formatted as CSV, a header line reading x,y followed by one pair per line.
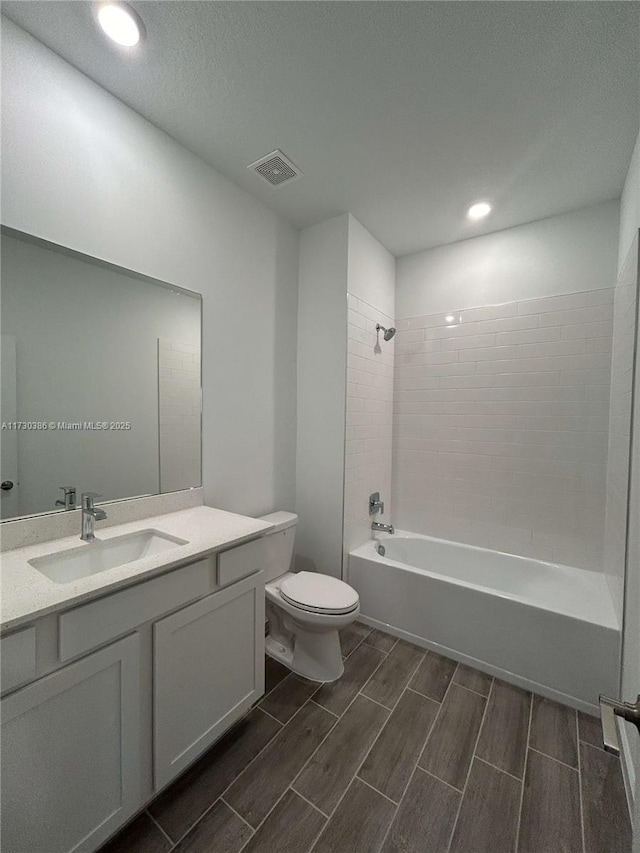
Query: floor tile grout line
x,y
524,772
202,816
268,693
357,646
440,701
264,819
473,755
597,748
337,805
166,835
220,796
433,776
371,646
236,813
396,803
313,806
359,691
259,753
275,686
424,742
333,727
412,673
437,717
318,705
359,768
335,723
391,822
391,710
499,769
318,834
580,784
275,719
471,690
592,745
311,757
557,760
375,701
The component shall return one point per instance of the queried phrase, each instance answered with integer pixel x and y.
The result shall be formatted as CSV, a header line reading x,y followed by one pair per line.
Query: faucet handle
x,y
88,498
375,504
69,501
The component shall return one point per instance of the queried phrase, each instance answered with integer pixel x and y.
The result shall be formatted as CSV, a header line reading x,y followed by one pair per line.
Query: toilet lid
x,y
319,593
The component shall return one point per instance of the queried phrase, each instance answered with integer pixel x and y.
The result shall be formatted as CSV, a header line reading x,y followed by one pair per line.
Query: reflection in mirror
x,y
100,380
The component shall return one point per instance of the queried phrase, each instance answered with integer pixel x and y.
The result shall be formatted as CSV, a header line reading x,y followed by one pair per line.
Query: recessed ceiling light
x,y
479,210
120,23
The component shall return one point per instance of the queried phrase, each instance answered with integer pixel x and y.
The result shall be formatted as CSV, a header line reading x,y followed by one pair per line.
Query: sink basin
x,y
102,554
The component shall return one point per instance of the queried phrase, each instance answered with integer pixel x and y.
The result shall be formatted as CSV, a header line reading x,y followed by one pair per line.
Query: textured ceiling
x,y
401,112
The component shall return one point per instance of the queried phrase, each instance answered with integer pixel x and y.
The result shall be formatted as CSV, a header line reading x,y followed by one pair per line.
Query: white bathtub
x,y
549,628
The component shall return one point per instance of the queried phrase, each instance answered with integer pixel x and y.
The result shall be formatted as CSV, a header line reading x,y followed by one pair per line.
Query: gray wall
x,y
81,169
562,254
322,355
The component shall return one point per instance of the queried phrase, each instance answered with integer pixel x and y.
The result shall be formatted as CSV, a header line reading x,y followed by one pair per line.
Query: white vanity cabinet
x,y
114,698
208,662
71,754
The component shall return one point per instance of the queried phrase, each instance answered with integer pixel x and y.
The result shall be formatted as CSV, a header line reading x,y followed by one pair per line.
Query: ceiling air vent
x,y
276,168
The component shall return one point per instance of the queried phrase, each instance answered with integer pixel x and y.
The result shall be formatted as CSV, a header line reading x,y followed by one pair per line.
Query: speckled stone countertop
x,y
28,594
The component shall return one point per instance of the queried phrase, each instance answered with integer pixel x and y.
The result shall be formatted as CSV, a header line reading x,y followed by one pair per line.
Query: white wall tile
x,y
507,446
369,412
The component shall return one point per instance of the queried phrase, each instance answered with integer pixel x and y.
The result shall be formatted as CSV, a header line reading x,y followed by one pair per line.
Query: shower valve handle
x,y
375,504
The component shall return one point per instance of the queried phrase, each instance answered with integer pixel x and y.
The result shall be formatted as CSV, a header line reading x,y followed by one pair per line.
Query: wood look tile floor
x,y
408,753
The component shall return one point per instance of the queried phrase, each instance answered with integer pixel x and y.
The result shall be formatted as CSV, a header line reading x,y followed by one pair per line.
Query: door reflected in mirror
x,y
101,380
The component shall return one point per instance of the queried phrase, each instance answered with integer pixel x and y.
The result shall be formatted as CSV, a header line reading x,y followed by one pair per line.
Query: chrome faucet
x,y
69,501
90,514
382,528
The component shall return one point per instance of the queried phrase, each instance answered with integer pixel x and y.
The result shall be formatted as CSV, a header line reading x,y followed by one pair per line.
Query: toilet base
x,y
314,656
306,642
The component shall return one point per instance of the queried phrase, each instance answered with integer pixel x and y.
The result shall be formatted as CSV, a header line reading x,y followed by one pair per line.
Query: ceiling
x,y
401,112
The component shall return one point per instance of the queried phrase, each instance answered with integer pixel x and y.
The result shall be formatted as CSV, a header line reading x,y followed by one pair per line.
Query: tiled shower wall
x,y
369,419
500,426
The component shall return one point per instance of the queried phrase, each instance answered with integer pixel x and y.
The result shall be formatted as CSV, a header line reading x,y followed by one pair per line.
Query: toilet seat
x,y
319,593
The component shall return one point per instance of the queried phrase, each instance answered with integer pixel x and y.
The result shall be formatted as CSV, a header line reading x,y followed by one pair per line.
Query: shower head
x,y
388,333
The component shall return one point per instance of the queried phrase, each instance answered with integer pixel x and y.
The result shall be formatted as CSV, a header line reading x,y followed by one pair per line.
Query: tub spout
x,y
382,528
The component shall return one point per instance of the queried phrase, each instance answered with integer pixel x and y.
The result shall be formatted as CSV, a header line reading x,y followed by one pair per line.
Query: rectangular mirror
x,y
101,380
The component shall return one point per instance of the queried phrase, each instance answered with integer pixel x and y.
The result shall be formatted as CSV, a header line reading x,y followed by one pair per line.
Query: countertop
x,y
28,594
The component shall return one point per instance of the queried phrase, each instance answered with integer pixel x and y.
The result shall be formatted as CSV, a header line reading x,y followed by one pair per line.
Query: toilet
x,y
305,610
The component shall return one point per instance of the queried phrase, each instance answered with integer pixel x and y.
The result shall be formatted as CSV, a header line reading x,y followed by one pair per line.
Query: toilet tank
x,y
279,544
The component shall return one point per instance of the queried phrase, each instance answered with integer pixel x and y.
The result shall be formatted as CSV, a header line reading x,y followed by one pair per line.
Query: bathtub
x,y
545,627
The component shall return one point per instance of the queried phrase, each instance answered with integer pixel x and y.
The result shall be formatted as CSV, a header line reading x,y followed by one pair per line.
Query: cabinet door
x,y
70,754
208,670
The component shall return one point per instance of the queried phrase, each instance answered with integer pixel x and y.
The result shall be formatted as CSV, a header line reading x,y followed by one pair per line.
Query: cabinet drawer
x,y
18,655
240,562
91,625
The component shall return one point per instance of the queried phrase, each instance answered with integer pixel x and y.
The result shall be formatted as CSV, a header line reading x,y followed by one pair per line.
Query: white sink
x,y
102,554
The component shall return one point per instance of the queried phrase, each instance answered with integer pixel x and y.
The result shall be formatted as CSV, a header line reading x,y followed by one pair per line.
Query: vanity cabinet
x,y
71,754
114,698
208,670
